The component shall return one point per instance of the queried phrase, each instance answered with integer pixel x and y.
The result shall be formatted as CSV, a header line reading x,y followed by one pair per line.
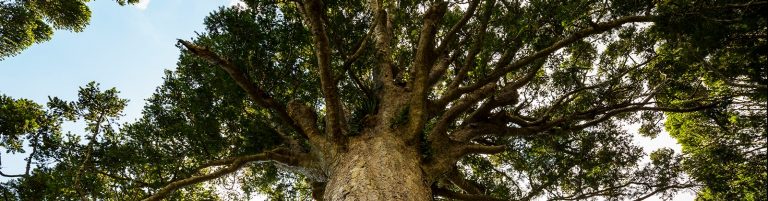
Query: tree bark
x,y
377,167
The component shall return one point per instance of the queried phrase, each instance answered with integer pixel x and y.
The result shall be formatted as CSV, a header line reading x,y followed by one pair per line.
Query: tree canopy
x,y
456,100
26,22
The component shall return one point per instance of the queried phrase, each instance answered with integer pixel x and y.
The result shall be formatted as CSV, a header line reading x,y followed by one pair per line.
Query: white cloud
x,y
237,3
142,5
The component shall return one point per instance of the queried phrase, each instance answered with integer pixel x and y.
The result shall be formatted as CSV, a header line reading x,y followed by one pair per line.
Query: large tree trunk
x,y
377,167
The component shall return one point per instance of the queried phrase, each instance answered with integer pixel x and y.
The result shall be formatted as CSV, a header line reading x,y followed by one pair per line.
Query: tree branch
x,y
482,149
452,113
469,61
537,189
232,165
335,116
665,188
451,35
12,175
118,177
455,177
596,29
615,112
361,47
441,66
424,59
306,119
258,95
474,130
454,195
383,75
86,158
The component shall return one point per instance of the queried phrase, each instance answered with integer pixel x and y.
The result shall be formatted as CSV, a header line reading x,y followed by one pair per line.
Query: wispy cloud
x,y
142,5
237,3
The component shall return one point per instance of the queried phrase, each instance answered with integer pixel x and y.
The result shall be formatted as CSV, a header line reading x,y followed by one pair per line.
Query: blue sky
x,y
127,47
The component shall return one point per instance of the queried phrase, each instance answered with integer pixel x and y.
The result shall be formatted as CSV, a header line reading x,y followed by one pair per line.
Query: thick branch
x,y
482,149
263,156
306,119
361,46
460,107
478,129
335,116
505,96
257,94
441,66
383,74
455,177
424,59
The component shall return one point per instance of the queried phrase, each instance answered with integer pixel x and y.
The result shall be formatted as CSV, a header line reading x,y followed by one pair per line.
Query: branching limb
x,y
729,81
118,177
455,177
232,165
306,119
438,70
506,96
438,131
258,95
382,75
335,116
424,59
361,47
566,98
451,35
611,191
615,112
469,62
665,188
475,130
27,168
482,149
598,28
86,158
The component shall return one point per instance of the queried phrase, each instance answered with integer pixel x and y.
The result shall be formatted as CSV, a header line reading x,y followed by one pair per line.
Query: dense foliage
x,y
504,100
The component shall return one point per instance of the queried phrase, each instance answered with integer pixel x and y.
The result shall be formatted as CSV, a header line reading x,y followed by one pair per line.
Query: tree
x,y
26,22
410,100
721,47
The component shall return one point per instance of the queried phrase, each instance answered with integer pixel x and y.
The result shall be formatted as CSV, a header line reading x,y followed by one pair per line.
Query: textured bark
x,y
377,167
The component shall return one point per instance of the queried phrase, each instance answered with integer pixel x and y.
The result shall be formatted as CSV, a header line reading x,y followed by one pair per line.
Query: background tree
x,y
411,100
721,47
26,22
